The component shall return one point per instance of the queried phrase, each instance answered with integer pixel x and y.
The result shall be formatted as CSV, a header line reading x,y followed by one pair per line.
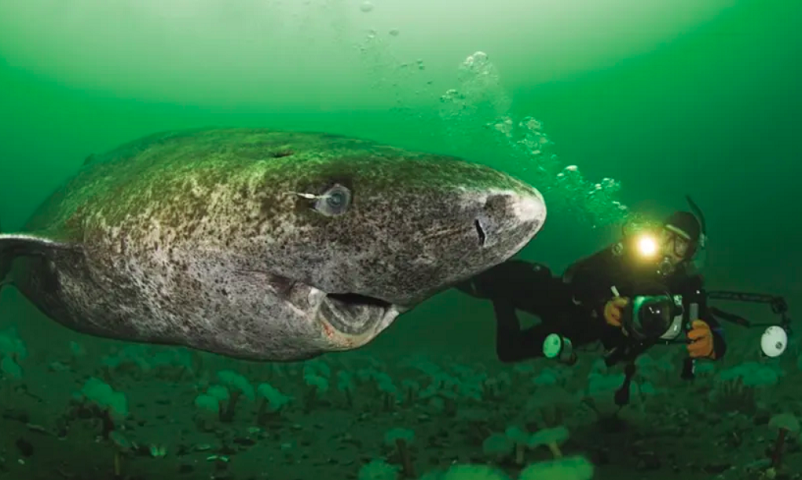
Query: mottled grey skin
x,y
200,238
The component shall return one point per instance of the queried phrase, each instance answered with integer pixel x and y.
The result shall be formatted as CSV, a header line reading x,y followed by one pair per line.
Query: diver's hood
x,y
699,259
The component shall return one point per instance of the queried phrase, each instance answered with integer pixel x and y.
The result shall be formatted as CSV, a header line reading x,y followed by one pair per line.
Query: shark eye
x,y
334,202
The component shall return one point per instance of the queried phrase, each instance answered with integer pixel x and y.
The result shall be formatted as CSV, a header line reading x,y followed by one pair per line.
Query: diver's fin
x,y
14,245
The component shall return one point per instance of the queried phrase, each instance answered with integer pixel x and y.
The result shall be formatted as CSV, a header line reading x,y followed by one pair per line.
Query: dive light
x,y
558,347
647,245
774,341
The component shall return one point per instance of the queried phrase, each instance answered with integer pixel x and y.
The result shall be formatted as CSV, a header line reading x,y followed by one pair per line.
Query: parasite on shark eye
x,y
308,196
334,202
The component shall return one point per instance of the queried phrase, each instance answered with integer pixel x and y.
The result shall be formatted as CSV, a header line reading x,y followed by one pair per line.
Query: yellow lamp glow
x,y
647,246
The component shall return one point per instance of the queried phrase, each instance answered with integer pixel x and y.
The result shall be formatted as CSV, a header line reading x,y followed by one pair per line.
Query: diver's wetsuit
x,y
572,306
518,285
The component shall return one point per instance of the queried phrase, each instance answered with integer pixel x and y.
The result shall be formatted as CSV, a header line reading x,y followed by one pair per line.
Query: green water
x,y
644,102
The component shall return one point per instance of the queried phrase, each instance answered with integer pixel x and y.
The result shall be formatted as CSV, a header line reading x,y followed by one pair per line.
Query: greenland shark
x,y
262,244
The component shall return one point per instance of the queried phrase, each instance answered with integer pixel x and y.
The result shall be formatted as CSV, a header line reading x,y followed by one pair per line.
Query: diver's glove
x,y
701,340
613,311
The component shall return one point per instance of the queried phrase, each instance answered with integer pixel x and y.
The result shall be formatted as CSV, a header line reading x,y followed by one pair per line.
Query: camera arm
x,y
777,303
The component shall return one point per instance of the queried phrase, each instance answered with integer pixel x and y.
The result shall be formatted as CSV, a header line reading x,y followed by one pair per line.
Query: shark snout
x,y
506,216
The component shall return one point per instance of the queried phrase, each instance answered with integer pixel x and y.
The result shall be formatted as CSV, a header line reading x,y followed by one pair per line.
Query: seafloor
x,y
341,411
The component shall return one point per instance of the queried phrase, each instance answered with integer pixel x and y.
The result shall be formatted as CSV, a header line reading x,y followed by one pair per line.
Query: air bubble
x,y
476,61
366,7
480,101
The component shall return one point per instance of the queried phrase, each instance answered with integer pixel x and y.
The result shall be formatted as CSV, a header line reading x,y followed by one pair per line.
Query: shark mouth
x,y
357,299
359,317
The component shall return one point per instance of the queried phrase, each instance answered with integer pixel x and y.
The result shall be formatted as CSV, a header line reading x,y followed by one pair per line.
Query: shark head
x,y
365,232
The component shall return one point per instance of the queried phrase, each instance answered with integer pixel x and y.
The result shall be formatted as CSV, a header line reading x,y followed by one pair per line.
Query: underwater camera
x,y
665,317
660,316
656,318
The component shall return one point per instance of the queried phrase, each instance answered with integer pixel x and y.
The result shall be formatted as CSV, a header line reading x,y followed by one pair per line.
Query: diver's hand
x,y
701,340
613,310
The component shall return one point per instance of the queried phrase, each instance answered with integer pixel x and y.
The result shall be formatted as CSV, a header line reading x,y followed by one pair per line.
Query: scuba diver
x,y
634,294
628,296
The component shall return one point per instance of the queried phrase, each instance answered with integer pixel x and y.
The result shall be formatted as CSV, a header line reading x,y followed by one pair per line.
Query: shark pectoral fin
x,y
16,245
